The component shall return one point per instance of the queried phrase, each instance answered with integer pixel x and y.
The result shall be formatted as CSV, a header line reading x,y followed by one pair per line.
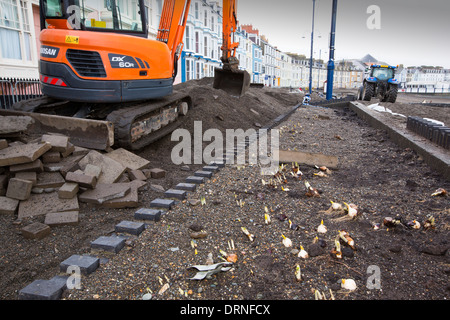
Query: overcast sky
x,y
412,32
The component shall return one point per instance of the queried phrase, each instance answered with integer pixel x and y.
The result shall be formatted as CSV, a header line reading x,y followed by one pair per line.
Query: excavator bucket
x,y
235,82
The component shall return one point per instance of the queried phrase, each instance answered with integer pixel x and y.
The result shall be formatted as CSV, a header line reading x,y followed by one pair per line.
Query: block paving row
x,y
53,288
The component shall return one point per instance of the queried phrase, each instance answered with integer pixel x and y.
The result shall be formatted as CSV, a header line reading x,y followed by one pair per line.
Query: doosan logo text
x,y
50,52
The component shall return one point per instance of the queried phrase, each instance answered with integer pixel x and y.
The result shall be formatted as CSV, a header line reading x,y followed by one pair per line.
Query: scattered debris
x,y
207,271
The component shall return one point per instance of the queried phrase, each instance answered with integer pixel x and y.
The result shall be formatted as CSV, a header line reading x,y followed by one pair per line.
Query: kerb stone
x,y
111,244
87,264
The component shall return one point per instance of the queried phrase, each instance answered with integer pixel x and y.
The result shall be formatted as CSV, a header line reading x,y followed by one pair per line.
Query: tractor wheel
x,y
392,93
368,91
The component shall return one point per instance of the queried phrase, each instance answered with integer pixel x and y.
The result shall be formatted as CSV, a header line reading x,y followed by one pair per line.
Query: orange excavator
x,y
98,62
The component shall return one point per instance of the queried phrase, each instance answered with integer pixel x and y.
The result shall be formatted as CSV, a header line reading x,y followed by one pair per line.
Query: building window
x,y
188,39
205,44
197,42
196,13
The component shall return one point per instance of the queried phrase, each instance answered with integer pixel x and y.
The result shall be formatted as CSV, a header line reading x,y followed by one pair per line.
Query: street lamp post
x,y
312,48
330,68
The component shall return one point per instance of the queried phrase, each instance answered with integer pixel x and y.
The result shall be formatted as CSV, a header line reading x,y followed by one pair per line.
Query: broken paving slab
x,y
8,205
308,158
128,159
131,200
68,190
68,164
49,180
59,143
104,192
111,169
14,124
19,189
62,218
20,154
27,175
35,230
40,204
35,166
83,180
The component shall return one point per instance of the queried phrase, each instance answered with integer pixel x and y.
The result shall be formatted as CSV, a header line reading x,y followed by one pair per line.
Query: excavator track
x,y
136,125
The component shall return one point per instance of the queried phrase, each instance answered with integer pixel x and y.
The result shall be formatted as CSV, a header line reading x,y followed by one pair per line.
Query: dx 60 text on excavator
x,y
97,62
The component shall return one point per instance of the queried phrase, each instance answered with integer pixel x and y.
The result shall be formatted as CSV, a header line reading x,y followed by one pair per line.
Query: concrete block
x,y
35,166
111,169
157,173
128,159
186,186
70,149
35,230
51,157
3,144
175,194
137,175
13,125
3,184
83,180
49,180
195,179
201,173
131,200
19,189
87,264
27,175
131,227
61,218
92,170
41,204
218,163
58,142
111,244
162,203
44,289
8,205
210,168
69,164
148,214
22,154
104,192
68,190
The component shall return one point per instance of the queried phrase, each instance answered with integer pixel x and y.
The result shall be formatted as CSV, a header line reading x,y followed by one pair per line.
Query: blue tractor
x,y
379,83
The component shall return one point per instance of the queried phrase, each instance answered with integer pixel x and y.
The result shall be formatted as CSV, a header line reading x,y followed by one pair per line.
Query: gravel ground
x,y
373,173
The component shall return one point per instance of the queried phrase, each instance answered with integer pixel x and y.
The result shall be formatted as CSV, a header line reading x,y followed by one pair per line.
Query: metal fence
x,y
15,90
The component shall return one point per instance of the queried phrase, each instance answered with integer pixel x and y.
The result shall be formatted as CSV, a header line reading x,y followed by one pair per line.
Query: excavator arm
x,y
229,77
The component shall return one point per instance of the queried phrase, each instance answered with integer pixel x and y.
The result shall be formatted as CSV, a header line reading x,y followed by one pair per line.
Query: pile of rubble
x,y
50,176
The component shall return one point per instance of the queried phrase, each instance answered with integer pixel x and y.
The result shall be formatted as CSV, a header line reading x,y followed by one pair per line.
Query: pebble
x,y
147,296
